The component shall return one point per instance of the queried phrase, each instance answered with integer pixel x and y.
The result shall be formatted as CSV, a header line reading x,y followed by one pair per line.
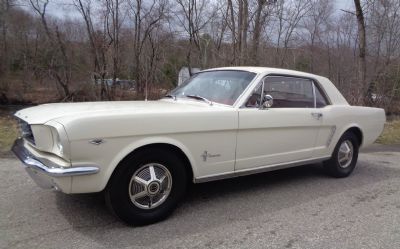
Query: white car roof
x,y
333,93
264,70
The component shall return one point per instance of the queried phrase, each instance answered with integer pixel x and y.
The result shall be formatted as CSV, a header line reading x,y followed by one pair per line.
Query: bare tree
x,y
288,17
315,23
243,26
384,42
146,17
261,13
362,65
5,6
113,25
149,41
193,16
98,47
239,26
59,65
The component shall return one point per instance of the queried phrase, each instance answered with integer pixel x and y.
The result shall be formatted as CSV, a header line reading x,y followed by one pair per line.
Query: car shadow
x,y
209,205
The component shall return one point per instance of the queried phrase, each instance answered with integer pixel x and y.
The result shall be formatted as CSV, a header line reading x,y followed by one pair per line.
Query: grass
x,y
391,133
8,133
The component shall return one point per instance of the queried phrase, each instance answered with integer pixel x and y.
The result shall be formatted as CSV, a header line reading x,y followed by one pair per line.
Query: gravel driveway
x,y
293,208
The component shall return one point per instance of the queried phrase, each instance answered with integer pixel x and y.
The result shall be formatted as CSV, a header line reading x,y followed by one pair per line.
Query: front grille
x,y
26,131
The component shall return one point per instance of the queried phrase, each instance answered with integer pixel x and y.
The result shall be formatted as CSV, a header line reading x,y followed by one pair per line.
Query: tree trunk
x,y
233,27
362,64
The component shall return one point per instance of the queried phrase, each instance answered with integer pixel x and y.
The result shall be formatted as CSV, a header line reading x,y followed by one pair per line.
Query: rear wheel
x,y
147,186
344,157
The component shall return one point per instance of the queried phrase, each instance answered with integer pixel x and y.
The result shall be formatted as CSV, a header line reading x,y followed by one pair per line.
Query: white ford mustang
x,y
221,123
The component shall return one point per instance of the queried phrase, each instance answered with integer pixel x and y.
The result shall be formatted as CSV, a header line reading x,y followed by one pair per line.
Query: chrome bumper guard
x,y
33,163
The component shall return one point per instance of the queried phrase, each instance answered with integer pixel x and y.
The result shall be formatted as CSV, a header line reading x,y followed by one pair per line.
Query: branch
x,y
348,11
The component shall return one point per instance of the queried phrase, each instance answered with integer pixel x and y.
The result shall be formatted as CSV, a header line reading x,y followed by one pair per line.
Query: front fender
x,y
149,141
109,154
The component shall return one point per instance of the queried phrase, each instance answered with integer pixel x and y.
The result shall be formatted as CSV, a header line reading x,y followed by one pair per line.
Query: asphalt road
x,y
293,208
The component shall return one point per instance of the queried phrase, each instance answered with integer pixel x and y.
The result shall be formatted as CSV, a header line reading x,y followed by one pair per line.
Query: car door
x,y
329,120
286,132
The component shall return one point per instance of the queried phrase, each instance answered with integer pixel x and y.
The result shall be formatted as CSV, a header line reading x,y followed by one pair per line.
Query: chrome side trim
x,y
333,130
261,169
315,96
33,163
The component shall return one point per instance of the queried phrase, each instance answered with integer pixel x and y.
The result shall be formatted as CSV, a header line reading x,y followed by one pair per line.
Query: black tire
x,y
333,166
117,192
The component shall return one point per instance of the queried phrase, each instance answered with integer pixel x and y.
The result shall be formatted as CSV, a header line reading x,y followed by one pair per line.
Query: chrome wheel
x,y
345,154
150,186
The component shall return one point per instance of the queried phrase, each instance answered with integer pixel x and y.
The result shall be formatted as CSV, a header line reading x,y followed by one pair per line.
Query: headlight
x,y
43,137
51,138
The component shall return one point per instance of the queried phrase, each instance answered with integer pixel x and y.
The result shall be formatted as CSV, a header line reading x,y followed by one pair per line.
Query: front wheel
x,y
147,186
344,157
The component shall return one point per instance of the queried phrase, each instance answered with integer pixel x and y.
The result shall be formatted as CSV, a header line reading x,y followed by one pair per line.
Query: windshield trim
x,y
250,85
234,105
197,101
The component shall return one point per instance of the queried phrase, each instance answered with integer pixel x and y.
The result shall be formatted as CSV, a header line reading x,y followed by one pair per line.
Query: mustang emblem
x,y
206,155
96,141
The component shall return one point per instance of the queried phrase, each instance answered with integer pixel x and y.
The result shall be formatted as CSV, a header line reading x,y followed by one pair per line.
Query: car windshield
x,y
223,86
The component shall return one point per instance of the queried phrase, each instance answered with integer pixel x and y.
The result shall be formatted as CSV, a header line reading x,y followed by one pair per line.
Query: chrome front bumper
x,y
42,174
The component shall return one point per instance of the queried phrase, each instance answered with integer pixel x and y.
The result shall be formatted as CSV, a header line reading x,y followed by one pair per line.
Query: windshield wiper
x,y
170,96
200,98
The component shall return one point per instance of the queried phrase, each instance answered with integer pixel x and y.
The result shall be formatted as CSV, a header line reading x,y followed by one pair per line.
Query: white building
x,y
184,74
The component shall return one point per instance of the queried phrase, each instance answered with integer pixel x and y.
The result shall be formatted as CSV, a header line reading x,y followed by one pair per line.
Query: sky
x,y
345,4
62,8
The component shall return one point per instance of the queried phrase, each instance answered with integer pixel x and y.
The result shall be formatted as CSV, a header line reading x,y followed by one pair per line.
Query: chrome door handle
x,y
317,115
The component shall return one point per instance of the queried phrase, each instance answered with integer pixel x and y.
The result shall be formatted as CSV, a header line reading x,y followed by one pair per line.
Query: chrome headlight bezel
x,y
52,138
58,148
61,142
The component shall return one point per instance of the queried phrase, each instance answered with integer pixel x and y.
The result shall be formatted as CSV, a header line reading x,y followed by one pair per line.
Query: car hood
x,y
44,113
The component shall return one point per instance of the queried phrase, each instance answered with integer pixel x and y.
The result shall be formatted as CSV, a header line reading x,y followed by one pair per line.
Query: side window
x,y
290,92
320,99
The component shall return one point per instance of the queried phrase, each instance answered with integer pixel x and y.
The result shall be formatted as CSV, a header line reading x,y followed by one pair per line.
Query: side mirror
x,y
268,101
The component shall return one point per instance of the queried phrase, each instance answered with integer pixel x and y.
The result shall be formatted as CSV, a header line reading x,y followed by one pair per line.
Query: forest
x,y
48,57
